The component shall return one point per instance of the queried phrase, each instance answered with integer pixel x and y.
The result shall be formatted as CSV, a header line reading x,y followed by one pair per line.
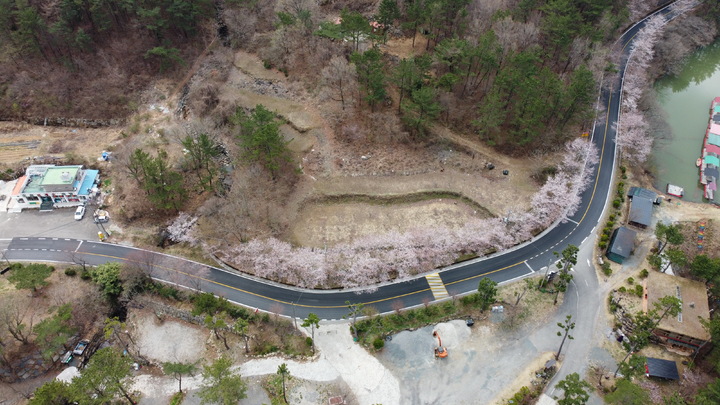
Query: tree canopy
x,y
575,390
260,139
487,292
30,276
107,375
221,385
107,276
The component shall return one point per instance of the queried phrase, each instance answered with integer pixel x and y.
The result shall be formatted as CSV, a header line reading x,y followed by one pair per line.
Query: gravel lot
x,y
170,341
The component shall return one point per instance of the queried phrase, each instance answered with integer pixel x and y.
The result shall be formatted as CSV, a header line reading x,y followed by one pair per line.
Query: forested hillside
x,y
92,58
520,74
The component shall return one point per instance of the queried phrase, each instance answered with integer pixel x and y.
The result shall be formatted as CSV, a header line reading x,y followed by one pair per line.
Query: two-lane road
x,y
458,279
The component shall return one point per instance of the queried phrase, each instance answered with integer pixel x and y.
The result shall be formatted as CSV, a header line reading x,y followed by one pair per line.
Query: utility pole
x,y
547,270
5,257
293,308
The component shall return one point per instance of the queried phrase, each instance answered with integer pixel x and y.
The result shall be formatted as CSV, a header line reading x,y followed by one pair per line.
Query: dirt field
x,y
20,141
330,224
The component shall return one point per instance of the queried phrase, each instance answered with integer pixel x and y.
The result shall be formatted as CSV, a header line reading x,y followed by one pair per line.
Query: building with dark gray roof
x,y
643,193
622,244
659,368
640,212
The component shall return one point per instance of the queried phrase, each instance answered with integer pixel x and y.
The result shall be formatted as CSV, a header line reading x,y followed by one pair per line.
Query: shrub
x,y
268,348
617,203
308,341
468,300
644,273
604,237
85,275
623,169
70,271
630,280
523,396
612,304
622,289
607,270
177,398
602,244
610,224
169,292
639,290
612,217
378,343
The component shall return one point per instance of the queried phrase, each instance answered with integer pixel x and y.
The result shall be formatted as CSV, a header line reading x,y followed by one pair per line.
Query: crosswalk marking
x,y
436,286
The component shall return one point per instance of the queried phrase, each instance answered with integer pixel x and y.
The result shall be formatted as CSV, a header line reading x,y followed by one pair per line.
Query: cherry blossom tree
x,y
180,229
374,259
633,136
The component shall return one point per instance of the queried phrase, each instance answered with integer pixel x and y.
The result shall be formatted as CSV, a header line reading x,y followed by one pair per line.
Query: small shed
x,y
622,244
640,212
643,193
659,368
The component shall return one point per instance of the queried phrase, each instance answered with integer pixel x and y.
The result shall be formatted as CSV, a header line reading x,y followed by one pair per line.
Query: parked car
x,y
80,347
101,216
79,212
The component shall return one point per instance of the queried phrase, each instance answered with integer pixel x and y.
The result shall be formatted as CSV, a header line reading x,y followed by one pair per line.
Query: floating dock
x,y
675,191
710,157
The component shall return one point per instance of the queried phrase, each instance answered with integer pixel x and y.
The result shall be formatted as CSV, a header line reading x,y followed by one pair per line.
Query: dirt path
x,y
339,357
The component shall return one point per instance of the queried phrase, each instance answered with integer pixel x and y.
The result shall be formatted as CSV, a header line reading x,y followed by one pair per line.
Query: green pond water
x,y
686,100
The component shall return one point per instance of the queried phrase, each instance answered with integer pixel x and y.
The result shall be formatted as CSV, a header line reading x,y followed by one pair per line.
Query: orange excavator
x,y
440,351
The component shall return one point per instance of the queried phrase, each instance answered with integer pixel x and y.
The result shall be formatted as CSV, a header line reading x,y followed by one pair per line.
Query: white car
x,y
79,212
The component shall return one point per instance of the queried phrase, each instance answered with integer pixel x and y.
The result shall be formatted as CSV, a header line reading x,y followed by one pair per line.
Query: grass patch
x,y
177,398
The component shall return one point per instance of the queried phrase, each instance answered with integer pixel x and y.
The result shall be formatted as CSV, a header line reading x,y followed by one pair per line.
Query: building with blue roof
x,y
49,186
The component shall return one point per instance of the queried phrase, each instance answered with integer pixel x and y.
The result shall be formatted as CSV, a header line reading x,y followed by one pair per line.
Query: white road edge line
x,y
531,269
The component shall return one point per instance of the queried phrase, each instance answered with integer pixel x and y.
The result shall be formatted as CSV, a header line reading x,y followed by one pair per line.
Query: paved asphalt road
x,y
517,262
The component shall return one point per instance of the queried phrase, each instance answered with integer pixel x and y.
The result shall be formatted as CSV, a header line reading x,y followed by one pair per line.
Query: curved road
x,y
458,279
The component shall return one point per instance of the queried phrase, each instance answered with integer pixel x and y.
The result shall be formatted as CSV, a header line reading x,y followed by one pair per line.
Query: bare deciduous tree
x,y
340,80
17,317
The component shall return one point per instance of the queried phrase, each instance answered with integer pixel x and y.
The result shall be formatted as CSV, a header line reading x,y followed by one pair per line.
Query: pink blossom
x,y
379,258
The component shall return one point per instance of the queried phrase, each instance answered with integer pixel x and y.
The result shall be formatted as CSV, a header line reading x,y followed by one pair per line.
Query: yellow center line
x,y
592,197
602,154
250,292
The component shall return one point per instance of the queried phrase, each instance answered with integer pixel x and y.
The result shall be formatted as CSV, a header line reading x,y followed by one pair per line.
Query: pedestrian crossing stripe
x,y
436,286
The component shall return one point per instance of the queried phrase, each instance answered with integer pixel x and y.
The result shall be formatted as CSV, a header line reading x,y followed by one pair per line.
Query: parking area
x,y
58,223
